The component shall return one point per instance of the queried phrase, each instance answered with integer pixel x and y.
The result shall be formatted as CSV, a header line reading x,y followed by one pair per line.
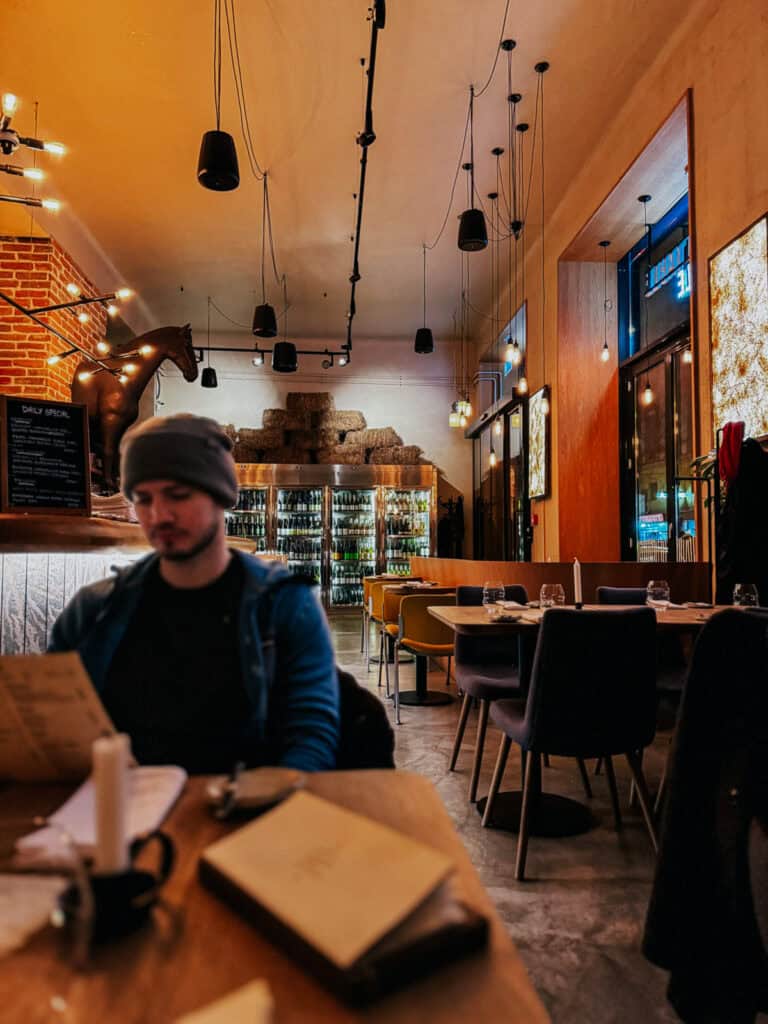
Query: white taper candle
x,y
110,783
577,581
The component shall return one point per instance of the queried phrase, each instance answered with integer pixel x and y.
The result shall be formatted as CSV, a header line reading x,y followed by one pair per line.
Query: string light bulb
x,y
522,385
123,293
51,204
647,396
10,104
492,458
73,290
55,147
84,375
605,353
258,358
34,173
545,404
112,309
83,318
123,378
130,368
462,420
146,350
342,360
102,347
688,356
497,427
53,360
512,353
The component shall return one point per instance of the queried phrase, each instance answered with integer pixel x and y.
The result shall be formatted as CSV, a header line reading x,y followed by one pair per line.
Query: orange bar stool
x,y
425,636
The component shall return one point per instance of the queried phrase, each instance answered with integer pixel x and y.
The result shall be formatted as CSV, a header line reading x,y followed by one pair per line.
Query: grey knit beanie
x,y
191,449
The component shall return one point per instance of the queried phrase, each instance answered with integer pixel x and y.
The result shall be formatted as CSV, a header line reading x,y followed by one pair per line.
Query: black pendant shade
x,y
284,358
208,379
424,343
264,321
217,167
473,234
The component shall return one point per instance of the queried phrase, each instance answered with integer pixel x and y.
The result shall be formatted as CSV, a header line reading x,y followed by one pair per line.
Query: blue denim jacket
x,y
284,641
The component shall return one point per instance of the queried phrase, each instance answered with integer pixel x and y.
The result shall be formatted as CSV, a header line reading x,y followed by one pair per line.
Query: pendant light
x,y
647,395
208,377
284,355
541,68
473,233
264,319
424,343
605,354
217,167
454,417
492,460
497,427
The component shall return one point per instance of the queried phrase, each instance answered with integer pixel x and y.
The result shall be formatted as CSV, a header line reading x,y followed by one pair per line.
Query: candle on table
x,y
110,783
577,581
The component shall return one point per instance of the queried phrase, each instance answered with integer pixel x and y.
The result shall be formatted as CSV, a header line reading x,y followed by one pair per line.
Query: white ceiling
x,y
128,87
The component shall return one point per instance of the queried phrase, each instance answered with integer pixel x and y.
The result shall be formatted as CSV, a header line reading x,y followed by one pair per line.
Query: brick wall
x,y
35,272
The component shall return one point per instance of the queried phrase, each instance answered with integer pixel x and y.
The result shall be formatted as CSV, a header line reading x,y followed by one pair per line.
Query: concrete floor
x,y
578,918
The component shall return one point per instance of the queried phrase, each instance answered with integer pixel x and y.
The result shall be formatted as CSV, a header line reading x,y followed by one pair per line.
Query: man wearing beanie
x,y
204,655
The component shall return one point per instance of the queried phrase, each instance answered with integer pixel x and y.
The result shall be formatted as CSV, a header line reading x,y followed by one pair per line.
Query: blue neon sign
x,y
672,267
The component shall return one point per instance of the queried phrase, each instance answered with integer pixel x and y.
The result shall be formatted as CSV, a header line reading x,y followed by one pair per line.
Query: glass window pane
x,y
684,503
651,466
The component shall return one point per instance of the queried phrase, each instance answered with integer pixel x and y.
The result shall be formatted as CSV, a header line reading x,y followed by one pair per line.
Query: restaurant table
x,y
554,815
421,696
161,972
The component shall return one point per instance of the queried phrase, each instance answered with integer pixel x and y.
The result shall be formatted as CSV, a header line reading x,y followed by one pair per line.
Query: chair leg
x,y
632,791
397,682
662,790
610,775
386,666
636,767
448,672
534,768
482,725
368,646
598,765
546,761
383,652
465,706
362,632
498,773
584,777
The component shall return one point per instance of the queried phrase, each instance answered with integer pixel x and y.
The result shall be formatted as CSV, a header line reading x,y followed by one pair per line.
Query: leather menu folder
x,y
362,907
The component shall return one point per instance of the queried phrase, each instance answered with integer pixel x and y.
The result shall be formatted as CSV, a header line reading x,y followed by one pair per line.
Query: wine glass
x,y
657,594
551,594
493,591
745,595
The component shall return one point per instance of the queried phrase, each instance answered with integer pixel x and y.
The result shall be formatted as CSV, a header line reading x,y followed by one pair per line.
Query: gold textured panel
x,y
538,440
738,289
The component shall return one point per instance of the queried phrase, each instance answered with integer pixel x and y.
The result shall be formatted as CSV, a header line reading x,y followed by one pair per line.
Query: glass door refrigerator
x,y
352,544
299,529
248,520
407,525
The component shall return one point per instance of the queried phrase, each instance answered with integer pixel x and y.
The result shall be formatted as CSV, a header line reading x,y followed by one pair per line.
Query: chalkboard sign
x,y
44,457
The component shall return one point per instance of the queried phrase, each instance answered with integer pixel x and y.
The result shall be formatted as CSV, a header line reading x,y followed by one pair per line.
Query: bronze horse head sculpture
x,y
113,406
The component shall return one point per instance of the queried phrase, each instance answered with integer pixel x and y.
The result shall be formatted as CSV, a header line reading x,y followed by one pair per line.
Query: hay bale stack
x,y
341,455
247,453
341,421
396,455
383,437
287,454
310,401
281,419
312,440
230,430
261,437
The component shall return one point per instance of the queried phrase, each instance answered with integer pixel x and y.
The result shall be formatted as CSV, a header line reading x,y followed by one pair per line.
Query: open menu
x,y
50,715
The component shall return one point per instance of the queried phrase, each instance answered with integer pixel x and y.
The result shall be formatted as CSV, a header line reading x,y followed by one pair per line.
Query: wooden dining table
x,y
475,619
196,949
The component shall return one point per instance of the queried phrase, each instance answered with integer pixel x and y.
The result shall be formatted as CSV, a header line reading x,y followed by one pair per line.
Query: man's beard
x,y
205,542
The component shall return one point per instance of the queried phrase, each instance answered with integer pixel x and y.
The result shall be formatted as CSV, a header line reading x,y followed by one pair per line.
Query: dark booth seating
x,y
592,694
487,668
708,902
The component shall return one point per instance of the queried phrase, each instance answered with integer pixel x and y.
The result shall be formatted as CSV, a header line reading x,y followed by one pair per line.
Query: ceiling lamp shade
x,y
284,358
217,167
264,321
473,234
208,379
424,343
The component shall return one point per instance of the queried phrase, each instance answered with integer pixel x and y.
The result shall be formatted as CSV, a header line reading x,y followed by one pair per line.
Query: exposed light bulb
x,y
51,204
52,360
146,350
112,309
84,375
130,368
83,318
453,419
513,354
73,290
687,356
123,378
462,420
34,173
497,427
492,458
102,347
647,394
605,354
10,104
342,360
123,293
545,405
467,407
54,147
258,359
522,385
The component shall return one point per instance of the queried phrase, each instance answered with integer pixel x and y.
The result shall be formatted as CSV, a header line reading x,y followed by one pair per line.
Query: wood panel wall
x,y
588,416
688,581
